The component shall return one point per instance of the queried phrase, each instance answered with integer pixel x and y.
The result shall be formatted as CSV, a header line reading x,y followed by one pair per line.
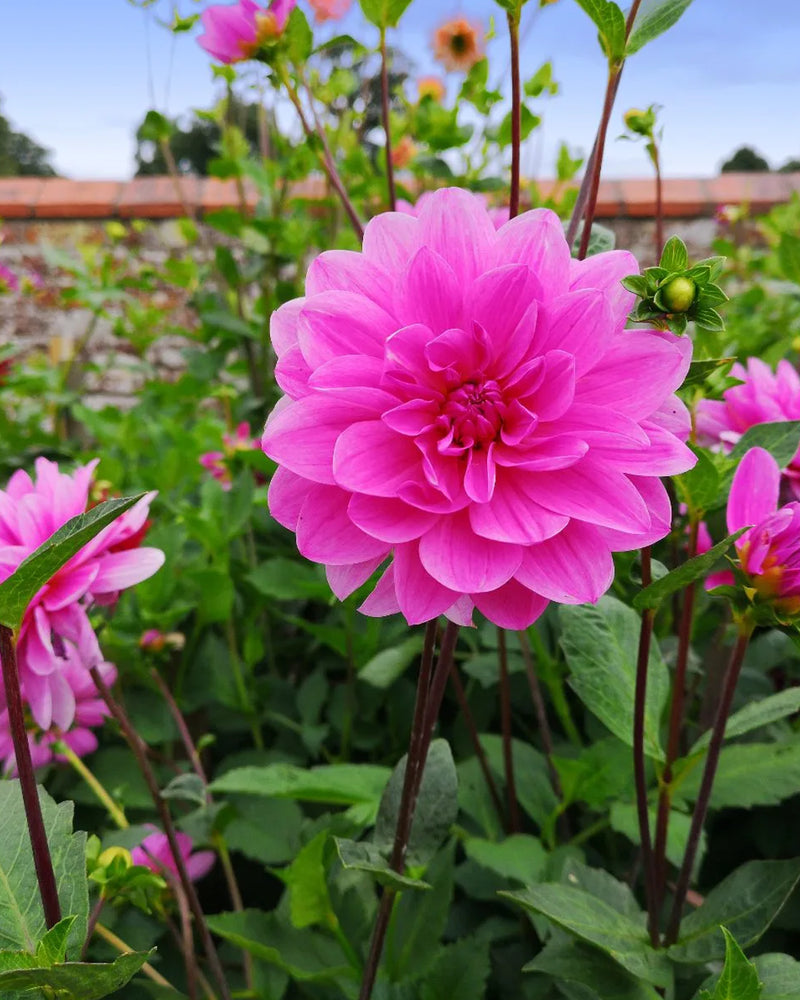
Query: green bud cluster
x,y
674,293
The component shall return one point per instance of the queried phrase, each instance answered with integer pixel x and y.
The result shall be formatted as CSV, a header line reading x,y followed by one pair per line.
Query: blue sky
x,y
78,77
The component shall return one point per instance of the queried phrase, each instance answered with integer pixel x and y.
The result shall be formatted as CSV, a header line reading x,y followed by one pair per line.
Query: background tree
x,y
21,156
745,160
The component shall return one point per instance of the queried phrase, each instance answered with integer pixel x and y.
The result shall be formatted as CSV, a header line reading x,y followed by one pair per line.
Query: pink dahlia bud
x,y
763,397
234,32
464,409
769,552
154,853
56,626
329,10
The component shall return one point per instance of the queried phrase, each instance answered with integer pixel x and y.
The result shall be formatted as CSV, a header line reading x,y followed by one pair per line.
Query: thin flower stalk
x,y
514,822
516,113
480,753
119,945
387,130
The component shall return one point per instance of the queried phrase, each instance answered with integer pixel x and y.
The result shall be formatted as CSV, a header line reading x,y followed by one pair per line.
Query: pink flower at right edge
x,y
235,32
154,853
329,10
769,552
764,397
464,407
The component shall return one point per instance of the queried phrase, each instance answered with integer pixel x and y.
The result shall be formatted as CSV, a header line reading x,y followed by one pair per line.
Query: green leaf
x,y
566,959
754,715
674,256
789,256
655,22
22,923
77,980
156,128
750,774
699,371
601,645
383,13
708,319
520,857
780,438
593,920
700,485
601,239
389,664
52,949
459,970
534,787
437,805
333,784
305,955
624,820
780,975
288,580
693,569
17,590
746,902
298,37
309,899
610,23
528,122
368,858
738,979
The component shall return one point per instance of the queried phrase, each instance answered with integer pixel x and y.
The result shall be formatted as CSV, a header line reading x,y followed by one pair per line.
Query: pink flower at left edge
x,y
56,624
235,32
154,853
769,552
464,408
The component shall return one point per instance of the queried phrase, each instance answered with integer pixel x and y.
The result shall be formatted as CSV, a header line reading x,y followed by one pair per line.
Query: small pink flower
x,y
764,397
464,407
233,32
154,640
329,10
56,624
769,553
218,462
9,282
154,853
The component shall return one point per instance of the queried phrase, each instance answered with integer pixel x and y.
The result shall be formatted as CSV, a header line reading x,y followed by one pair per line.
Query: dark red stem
x,y
387,130
27,780
516,115
514,823
480,753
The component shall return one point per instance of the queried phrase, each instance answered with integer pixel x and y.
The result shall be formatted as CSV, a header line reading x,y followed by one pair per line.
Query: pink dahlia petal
x,y
465,562
118,570
286,495
420,596
754,490
390,240
655,497
371,458
457,226
67,587
512,516
499,300
557,390
606,271
336,323
724,578
352,371
599,426
429,292
199,864
283,326
511,606
388,518
536,239
383,599
578,323
664,455
343,580
346,270
460,613
292,373
572,567
326,534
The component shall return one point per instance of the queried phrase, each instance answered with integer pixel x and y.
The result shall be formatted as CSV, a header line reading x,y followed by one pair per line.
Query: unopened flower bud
x,y
678,294
110,854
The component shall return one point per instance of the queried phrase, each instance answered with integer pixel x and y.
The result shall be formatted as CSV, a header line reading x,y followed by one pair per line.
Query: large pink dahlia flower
x,y
56,626
233,32
763,397
467,403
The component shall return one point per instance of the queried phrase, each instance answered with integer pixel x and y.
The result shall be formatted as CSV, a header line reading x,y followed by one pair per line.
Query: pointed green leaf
x,y
459,970
610,23
76,980
309,899
383,13
655,22
365,857
22,923
17,590
333,784
746,902
674,256
749,774
566,959
738,979
520,857
754,715
699,371
593,920
601,645
53,946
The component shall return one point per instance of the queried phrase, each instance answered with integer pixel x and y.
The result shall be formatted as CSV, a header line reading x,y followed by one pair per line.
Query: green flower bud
x,y
678,295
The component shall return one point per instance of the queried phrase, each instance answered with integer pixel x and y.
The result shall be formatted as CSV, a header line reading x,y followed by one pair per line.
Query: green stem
x,y
99,790
241,688
119,945
387,131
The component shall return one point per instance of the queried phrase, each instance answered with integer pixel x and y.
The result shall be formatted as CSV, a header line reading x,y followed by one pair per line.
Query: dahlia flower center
x,y
472,416
459,43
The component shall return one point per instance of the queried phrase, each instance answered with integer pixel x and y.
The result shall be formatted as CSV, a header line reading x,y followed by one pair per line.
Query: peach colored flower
x,y
329,10
458,44
403,152
431,86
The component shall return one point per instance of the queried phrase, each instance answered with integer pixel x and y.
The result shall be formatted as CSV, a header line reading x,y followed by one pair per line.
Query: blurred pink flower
x,y
233,32
467,403
217,462
90,712
765,396
56,625
329,10
9,282
154,853
769,553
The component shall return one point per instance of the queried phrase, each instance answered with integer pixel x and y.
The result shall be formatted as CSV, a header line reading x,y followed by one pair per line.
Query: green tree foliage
x,y
745,159
21,156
